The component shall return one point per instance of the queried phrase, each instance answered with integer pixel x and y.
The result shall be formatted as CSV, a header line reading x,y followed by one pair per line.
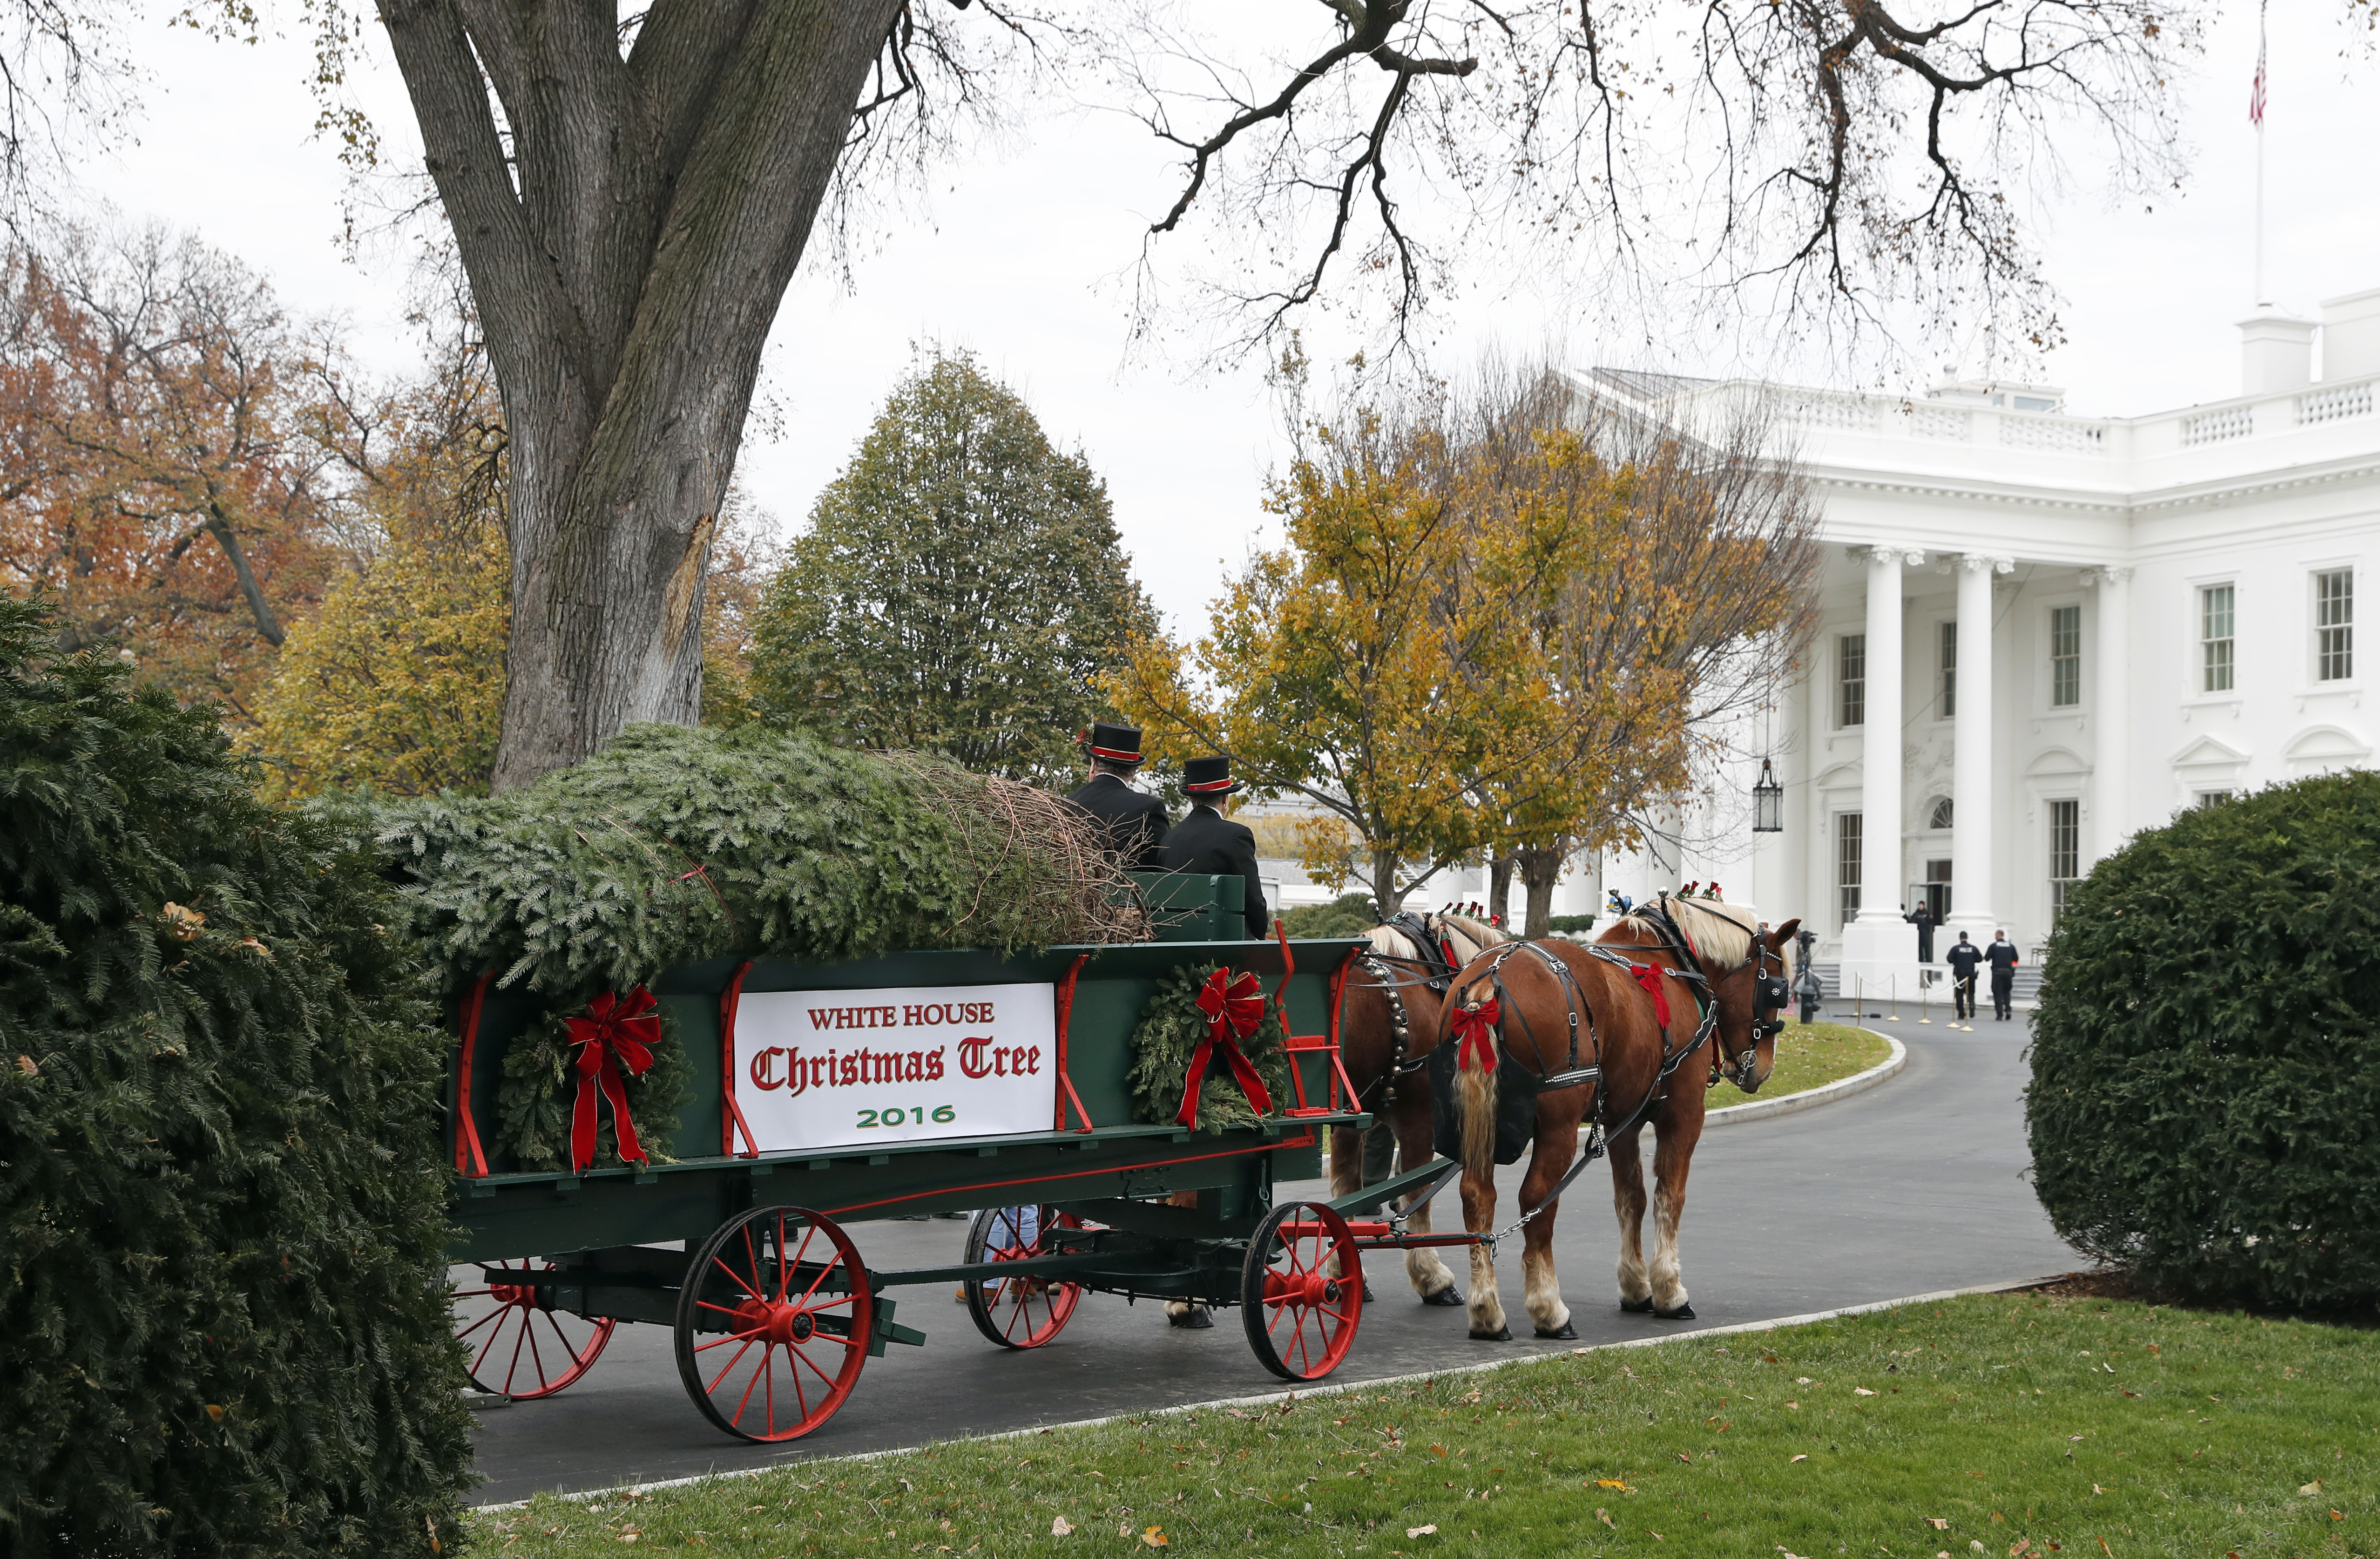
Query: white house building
x,y
2042,632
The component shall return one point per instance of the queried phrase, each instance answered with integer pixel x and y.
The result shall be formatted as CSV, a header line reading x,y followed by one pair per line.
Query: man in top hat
x,y
1136,821
1207,841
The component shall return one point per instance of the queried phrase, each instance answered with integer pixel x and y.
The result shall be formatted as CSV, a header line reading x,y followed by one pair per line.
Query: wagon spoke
x,y
806,1359
730,1363
768,1351
513,1367
496,1314
731,1338
785,1274
737,1279
535,1357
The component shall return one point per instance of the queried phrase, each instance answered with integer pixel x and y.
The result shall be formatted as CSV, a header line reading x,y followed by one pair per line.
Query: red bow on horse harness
x,y
1475,1034
1648,977
1233,1008
613,1036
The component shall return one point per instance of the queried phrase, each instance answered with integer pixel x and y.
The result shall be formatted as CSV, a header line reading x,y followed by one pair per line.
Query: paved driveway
x,y
1913,1187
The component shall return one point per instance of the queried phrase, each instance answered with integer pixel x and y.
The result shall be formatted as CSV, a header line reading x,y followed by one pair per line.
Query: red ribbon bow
x,y
1649,979
615,1035
1233,1008
1475,1034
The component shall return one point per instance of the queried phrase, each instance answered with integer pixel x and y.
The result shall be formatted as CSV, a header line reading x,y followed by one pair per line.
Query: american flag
x,y
2256,91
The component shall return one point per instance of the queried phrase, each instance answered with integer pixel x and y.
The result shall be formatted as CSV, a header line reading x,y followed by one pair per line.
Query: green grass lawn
x,y
2019,1425
1811,1055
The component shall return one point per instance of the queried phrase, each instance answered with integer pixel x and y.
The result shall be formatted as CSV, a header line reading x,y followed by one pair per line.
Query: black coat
x,y
1962,957
1136,821
1207,841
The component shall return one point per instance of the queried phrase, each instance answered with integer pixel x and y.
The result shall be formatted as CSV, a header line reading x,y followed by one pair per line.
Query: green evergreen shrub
x,y
1348,915
225,1327
673,846
2206,1098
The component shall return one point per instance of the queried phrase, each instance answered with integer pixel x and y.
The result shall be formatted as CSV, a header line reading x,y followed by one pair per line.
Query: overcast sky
x,y
1016,257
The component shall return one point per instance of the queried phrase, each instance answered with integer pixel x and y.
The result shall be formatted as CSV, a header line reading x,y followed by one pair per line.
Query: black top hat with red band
x,y
1115,744
1208,776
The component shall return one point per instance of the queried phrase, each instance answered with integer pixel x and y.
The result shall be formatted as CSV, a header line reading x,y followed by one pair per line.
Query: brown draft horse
x,y
1717,971
1388,1015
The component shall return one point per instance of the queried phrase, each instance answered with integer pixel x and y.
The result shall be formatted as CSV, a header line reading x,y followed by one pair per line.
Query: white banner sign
x,y
844,1068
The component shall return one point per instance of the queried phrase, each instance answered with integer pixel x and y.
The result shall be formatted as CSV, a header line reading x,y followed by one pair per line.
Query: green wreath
x,y
534,1101
1171,1027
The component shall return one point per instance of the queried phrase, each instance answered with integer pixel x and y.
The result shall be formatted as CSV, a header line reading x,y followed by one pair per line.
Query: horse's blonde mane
x,y
1396,944
1720,931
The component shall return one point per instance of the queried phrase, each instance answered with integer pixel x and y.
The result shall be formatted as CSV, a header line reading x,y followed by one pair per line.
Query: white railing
x,y
2214,427
1852,414
2333,404
2064,435
1940,422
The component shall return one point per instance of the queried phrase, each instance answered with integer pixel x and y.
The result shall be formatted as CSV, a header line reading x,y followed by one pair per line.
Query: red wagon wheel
x,y
1302,1291
521,1347
773,1323
1018,1312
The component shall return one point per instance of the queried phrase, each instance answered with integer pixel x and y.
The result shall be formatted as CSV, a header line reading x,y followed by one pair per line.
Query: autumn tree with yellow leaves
x,y
1496,625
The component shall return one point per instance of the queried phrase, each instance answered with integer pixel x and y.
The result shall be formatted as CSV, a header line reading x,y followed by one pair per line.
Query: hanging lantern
x,y
1768,802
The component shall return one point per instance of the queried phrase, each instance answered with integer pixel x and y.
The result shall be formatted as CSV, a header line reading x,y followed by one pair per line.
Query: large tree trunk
x,y
628,261
1387,899
1499,888
1541,869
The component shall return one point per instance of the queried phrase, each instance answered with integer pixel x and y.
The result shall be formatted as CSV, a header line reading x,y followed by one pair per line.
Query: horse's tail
x,y
1474,1090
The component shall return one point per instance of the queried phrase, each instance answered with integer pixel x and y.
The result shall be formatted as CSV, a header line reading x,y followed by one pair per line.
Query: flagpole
x,y
2256,113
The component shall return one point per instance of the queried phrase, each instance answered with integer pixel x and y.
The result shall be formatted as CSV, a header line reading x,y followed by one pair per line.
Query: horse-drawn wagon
x,y
828,1095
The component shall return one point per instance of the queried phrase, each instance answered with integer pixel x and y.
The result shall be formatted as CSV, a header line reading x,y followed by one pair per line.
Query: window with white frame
x,y
2065,656
1848,829
2215,624
1940,815
2213,797
2334,624
2065,852
1949,669
1850,679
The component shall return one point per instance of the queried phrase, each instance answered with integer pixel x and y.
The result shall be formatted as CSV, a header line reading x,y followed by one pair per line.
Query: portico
x,y
2039,632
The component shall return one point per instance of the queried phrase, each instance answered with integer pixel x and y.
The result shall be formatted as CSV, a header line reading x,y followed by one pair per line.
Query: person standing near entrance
x,y
2001,956
1207,841
1964,957
1922,919
1135,820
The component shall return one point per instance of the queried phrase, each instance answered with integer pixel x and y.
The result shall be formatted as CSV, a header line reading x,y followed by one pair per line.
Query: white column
x,y
1878,944
2111,779
1971,766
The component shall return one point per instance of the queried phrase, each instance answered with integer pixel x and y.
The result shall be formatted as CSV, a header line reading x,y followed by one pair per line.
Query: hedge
x,y
224,1328
2204,1107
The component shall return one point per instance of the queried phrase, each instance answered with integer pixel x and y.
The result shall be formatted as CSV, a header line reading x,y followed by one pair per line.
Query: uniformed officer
x,y
1207,841
1136,821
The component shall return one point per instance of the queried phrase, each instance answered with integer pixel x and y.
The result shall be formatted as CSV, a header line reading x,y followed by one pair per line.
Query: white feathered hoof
x,y
1450,1296
1683,1313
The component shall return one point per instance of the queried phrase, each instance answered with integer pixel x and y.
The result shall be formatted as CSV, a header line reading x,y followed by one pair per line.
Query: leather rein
x,y
1674,942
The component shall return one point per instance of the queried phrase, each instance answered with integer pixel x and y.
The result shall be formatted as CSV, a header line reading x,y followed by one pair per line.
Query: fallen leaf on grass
x,y
1683,1457
1154,1538
1619,1484
1789,1552
1803,1458
2313,1488
1862,1391
2097,1490
1059,1526
1937,1523
1604,1517
1429,1531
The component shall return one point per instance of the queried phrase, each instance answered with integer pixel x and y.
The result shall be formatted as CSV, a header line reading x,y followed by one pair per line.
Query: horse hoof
x,y
1195,1319
1501,1335
1369,1298
1568,1333
1683,1313
1448,1296
1638,1307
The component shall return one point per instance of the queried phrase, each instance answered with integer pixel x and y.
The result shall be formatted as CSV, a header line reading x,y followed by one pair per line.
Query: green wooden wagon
x,y
774,1314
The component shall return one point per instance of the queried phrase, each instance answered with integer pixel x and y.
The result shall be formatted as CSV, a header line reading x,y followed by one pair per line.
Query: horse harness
x,y
1602,1129
1436,968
